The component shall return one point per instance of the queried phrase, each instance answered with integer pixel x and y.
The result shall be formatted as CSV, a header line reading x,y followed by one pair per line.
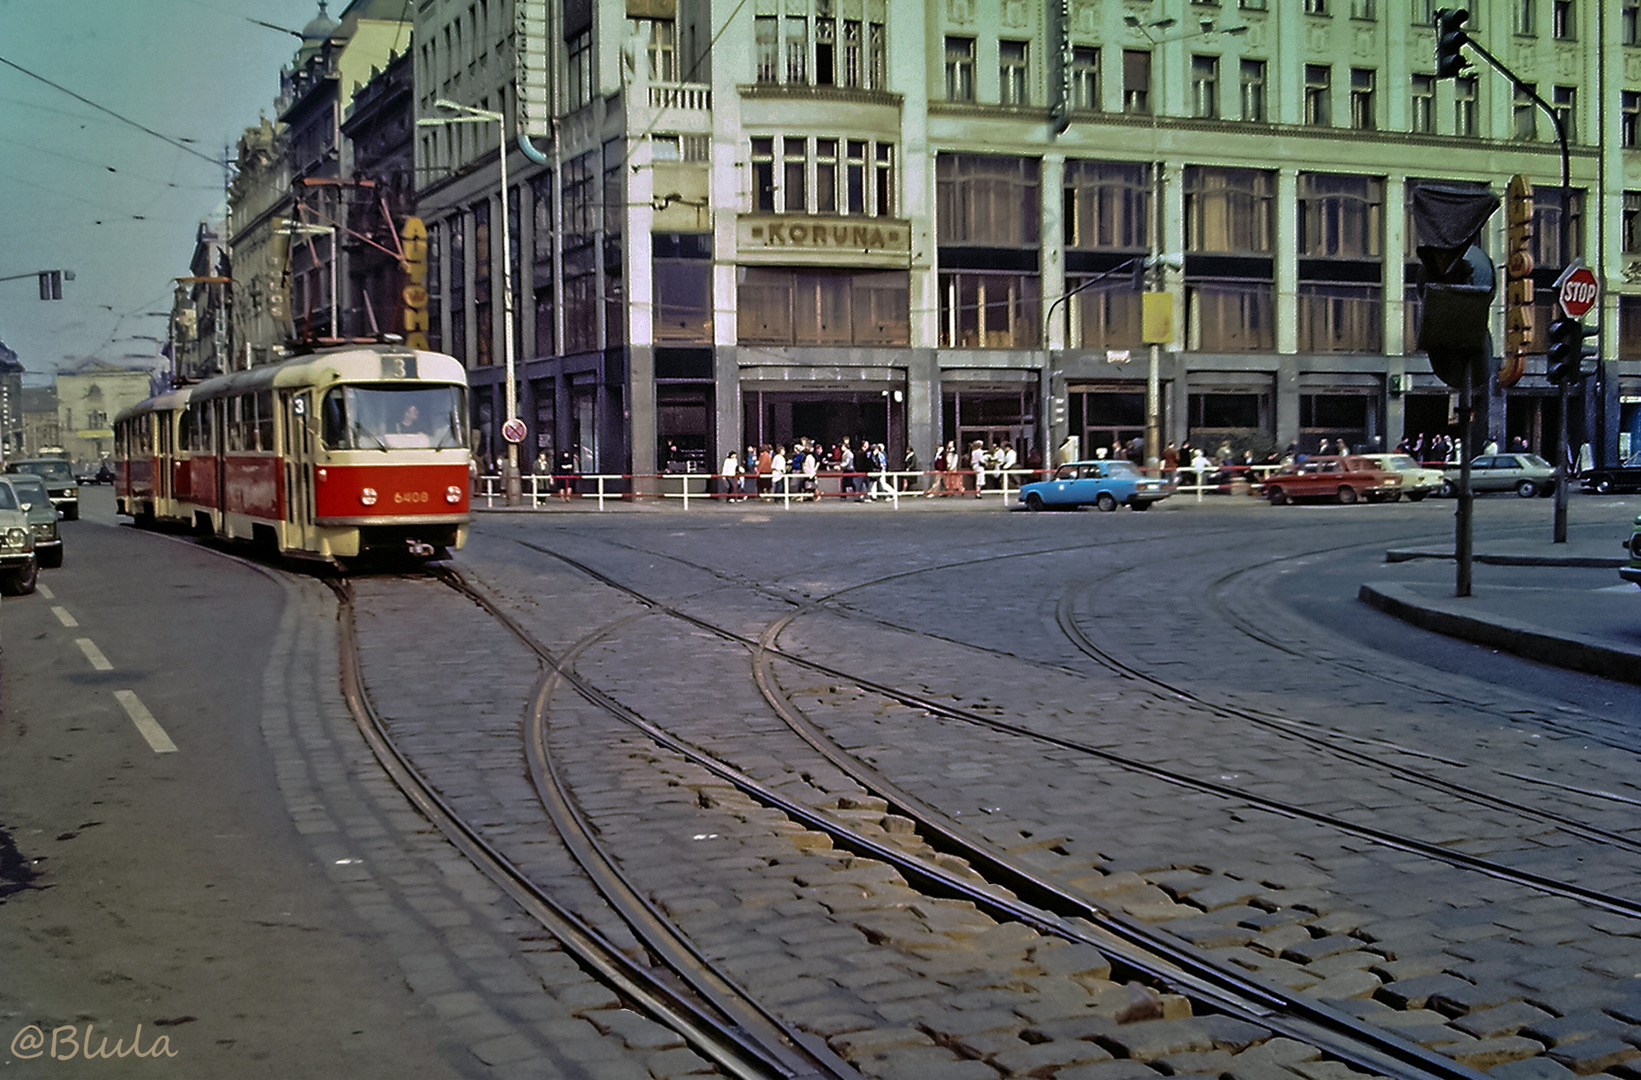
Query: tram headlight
x,y
368,496
452,494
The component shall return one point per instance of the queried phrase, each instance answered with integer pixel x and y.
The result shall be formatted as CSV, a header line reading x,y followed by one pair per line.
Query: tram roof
x,y
176,398
355,363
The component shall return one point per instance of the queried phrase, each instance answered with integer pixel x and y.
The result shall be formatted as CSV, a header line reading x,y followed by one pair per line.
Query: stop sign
x,y
1576,290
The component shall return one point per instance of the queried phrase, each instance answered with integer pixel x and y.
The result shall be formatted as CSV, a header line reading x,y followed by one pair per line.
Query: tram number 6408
x,y
411,497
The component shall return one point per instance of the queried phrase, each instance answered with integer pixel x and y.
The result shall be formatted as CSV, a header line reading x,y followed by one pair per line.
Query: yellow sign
x,y
1157,318
414,238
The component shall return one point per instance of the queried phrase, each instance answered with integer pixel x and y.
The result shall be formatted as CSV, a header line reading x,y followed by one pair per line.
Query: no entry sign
x,y
1576,290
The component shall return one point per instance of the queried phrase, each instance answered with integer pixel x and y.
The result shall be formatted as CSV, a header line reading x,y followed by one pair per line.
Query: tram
x,y
336,455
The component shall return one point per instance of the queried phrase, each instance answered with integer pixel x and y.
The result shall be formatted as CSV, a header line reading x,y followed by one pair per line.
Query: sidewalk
x,y
1557,607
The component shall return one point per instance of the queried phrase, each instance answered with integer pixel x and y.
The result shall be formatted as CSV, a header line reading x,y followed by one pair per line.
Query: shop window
x,y
987,200
1230,316
990,310
1341,217
790,306
1230,211
1107,206
1340,317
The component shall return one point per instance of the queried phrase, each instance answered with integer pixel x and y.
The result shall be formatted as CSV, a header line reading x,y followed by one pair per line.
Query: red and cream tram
x,y
337,454
152,474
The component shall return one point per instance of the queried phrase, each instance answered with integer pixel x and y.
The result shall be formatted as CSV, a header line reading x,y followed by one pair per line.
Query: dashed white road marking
x,y
146,724
64,617
45,591
94,654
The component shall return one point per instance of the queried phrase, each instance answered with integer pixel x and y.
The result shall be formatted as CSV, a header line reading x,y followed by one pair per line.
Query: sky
x,y
83,191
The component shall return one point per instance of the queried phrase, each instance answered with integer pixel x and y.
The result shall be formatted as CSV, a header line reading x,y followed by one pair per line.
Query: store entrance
x,y
827,417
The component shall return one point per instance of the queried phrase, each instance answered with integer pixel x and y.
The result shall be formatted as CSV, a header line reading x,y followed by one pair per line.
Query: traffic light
x,y
1450,37
1518,289
51,284
1567,350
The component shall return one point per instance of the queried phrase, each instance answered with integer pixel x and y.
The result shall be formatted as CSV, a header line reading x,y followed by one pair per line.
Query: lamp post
x,y
471,115
1153,373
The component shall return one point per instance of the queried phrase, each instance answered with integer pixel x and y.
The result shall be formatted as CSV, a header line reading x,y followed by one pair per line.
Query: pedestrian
x,y
908,465
766,470
1170,460
937,465
977,462
777,470
811,470
731,468
846,466
566,473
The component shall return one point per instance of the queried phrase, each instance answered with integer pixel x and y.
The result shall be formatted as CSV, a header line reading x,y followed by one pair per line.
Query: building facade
x,y
89,396
918,221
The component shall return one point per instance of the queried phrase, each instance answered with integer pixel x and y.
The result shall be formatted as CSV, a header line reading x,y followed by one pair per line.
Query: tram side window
x,y
235,423
185,431
263,401
201,428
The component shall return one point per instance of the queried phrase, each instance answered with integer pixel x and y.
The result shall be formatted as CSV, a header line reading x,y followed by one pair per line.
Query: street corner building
x,y
922,221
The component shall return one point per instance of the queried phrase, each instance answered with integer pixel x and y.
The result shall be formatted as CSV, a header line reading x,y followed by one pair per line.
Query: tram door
x,y
167,453
297,411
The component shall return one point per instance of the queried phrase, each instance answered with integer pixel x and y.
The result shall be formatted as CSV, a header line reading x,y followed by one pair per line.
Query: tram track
x,y
1610,902
1138,951
901,803
715,1018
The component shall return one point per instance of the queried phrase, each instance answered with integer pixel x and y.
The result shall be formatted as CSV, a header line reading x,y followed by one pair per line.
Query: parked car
x,y
59,478
42,517
1417,481
19,569
1102,484
1525,474
1632,572
1623,477
1343,479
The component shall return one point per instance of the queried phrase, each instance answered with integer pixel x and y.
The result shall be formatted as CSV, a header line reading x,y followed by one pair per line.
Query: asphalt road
x,y
170,890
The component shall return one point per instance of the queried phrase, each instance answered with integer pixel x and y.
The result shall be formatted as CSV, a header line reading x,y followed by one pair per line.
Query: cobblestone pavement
x,y
1493,973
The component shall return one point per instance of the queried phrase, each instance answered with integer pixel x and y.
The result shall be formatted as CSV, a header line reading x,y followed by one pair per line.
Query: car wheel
x,y
20,582
1106,502
1415,496
1277,496
1347,495
51,560
1526,489
1034,502
1141,504
1603,485
1448,489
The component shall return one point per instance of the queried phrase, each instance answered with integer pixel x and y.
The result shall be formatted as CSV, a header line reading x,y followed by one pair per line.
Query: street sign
x,y
513,431
1576,290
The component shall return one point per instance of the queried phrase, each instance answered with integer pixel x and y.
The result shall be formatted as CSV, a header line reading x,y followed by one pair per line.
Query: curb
x,y
1575,652
1595,562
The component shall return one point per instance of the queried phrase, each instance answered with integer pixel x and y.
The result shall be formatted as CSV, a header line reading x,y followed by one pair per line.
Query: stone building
x,y
918,221
89,396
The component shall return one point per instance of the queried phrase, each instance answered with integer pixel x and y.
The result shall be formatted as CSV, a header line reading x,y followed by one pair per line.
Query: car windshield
x,y
389,417
1125,469
29,489
1401,461
1536,461
46,470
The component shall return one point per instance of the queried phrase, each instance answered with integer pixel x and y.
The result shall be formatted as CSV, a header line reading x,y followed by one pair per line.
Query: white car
x,y
1417,481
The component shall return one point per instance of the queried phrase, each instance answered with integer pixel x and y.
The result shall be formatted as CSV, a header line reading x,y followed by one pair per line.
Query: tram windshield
x,y
388,417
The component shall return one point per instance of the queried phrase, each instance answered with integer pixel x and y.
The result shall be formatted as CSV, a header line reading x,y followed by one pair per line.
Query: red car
x,y
1341,479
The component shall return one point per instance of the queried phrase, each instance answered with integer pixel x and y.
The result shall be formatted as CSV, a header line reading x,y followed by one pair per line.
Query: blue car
x,y
1103,484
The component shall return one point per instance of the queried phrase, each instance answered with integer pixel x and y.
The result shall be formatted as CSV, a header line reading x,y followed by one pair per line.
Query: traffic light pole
x,y
1463,527
1564,466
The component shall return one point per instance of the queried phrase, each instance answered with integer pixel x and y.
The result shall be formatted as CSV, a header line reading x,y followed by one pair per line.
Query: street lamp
x,y
1156,262
471,115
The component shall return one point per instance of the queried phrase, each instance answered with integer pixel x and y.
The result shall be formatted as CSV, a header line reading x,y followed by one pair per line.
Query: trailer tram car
x,y
152,473
340,454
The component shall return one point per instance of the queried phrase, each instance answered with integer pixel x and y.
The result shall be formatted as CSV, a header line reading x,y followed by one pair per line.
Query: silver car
x,y
1525,474
1417,481
42,518
19,569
